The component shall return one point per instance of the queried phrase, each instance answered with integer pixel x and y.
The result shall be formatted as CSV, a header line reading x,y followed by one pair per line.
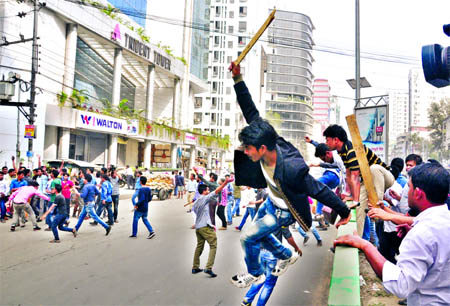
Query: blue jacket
x,y
89,193
291,172
144,196
106,191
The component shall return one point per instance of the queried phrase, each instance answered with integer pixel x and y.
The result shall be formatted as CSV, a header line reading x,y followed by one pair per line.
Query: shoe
x,y
13,228
245,303
108,230
237,228
38,219
74,232
403,302
246,279
238,215
229,223
36,228
210,272
222,228
305,240
48,229
93,223
188,211
132,236
283,264
116,221
23,225
196,270
323,229
319,243
55,241
151,235
2,221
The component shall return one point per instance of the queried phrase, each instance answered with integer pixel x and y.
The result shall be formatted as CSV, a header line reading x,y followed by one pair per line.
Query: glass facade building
x,y
135,9
94,75
289,76
200,39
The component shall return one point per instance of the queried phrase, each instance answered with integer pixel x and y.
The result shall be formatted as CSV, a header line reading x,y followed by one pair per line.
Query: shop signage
x,y
29,131
190,139
133,128
101,123
137,47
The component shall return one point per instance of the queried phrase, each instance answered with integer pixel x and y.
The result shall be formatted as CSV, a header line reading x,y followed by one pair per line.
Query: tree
x,y
437,113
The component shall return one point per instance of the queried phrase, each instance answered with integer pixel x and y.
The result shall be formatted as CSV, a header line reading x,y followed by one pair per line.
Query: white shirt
x,y
192,186
390,226
4,188
129,171
247,196
277,201
422,273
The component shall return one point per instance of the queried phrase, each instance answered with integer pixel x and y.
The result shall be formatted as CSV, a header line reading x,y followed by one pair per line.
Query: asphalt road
x,y
94,269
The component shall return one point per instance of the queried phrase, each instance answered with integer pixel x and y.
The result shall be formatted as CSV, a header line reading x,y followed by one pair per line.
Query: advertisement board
x,y
101,123
373,127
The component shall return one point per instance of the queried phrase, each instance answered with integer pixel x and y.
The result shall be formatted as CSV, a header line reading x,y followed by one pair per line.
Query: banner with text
x,y
100,123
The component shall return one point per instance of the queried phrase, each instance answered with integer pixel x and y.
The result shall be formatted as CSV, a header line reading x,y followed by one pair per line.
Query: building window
x,y
213,118
217,23
217,11
198,102
227,122
197,118
227,106
216,40
230,44
230,29
241,40
231,14
242,26
215,71
228,90
214,103
216,56
242,11
229,59
214,87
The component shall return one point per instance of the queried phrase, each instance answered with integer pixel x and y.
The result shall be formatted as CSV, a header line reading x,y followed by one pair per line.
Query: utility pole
x,y
357,54
34,71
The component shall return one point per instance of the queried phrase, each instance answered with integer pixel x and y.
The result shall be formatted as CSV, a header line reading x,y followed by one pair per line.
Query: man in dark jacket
x,y
270,161
141,209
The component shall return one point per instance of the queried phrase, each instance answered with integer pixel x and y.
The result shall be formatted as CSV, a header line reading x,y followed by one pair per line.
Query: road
x,y
94,269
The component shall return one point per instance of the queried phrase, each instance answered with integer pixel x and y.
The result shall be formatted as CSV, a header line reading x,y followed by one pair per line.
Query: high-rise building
x,y
321,102
398,122
289,76
134,9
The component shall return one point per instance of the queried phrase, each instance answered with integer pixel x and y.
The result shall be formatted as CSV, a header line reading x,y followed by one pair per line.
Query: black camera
x,y
436,63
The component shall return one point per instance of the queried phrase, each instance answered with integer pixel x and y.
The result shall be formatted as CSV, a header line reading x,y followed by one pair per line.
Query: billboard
x,y
373,127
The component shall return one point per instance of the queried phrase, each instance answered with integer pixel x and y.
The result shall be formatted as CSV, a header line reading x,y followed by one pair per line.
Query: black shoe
x,y
36,228
13,228
132,236
319,243
403,302
108,230
93,223
305,240
151,235
323,229
38,220
196,270
210,272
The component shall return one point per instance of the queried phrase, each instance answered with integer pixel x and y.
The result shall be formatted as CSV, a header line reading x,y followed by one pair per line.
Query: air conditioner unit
x,y
7,90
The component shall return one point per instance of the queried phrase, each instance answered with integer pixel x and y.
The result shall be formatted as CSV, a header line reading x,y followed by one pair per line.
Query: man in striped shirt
x,y
336,139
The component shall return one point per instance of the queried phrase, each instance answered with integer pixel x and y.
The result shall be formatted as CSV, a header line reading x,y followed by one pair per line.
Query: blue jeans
x,y
268,261
89,208
230,203
313,230
249,211
58,223
138,215
236,207
3,209
332,181
135,195
175,191
268,220
108,206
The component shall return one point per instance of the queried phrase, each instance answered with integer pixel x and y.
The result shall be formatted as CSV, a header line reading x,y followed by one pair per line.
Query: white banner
x,y
101,123
190,139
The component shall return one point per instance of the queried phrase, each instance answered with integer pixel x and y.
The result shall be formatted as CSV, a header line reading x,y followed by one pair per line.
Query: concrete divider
x,y
344,284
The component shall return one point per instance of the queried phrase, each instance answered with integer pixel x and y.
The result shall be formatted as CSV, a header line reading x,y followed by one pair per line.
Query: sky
x,y
398,28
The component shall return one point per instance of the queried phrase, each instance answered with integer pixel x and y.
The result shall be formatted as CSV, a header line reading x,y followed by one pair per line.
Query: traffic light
x,y
436,63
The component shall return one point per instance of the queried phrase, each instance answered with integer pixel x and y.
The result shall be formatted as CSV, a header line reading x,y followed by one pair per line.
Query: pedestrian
x,y
248,198
230,200
55,180
313,230
3,197
20,198
137,186
191,189
88,195
60,217
106,199
205,228
180,185
141,209
268,261
114,179
129,173
270,161
67,186
421,274
222,203
237,200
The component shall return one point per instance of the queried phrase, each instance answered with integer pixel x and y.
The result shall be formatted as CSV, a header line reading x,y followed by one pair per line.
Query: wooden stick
x,y
362,159
255,37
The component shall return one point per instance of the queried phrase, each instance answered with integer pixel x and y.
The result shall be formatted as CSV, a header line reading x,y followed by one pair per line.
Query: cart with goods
x,y
161,185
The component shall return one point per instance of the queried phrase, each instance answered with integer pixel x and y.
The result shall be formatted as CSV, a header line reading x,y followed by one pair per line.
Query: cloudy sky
x,y
391,30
